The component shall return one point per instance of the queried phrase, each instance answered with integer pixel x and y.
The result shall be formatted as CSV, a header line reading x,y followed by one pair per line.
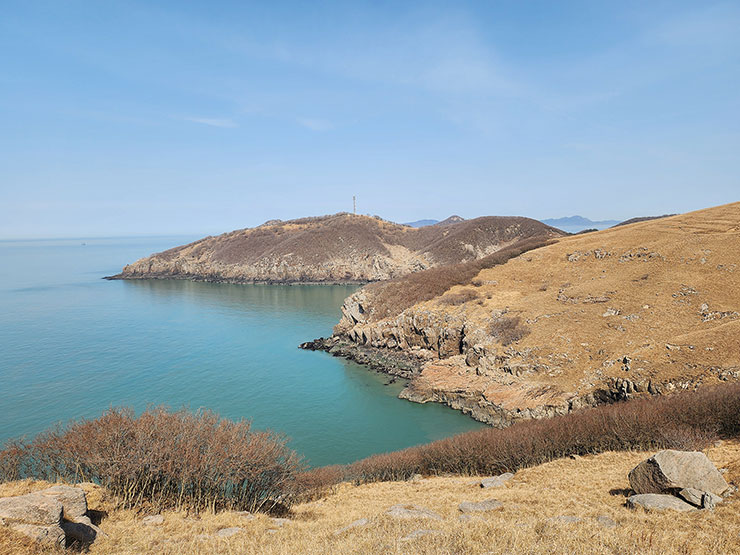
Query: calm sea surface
x,y
73,344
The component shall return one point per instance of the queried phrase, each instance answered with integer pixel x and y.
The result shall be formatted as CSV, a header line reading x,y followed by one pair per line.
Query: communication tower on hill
x,y
354,205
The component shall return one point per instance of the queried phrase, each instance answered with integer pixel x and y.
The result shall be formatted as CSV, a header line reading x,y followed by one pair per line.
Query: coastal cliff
x,y
343,248
641,309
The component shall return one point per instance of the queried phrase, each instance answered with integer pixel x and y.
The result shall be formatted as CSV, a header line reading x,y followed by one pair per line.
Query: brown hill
x,y
338,248
640,309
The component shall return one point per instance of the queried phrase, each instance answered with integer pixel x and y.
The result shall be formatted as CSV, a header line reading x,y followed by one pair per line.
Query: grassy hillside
x,y
649,307
584,487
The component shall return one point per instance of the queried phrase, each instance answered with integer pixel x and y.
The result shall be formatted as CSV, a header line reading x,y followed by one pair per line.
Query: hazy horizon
x,y
181,118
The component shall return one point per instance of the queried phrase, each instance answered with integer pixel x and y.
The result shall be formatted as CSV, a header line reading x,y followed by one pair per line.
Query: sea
x,y
73,345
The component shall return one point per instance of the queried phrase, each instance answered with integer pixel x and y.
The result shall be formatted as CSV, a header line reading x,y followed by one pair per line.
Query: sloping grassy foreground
x,y
572,487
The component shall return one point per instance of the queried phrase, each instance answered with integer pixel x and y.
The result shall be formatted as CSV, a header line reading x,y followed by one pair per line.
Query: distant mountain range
x,y
574,224
423,223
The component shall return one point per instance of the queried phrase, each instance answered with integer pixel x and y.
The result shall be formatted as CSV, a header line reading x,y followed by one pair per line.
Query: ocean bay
x,y
74,344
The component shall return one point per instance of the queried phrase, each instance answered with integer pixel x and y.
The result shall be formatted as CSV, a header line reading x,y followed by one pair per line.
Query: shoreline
x,y
231,281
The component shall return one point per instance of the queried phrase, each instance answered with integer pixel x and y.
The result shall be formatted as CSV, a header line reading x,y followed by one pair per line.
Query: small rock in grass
x,y
658,502
566,519
418,534
153,520
355,524
482,506
228,532
606,521
412,511
496,481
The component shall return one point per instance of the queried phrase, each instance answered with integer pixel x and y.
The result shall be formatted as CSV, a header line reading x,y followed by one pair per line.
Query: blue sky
x,y
202,117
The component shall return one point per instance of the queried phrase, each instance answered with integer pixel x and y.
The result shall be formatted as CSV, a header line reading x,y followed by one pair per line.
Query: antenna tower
x,y
354,204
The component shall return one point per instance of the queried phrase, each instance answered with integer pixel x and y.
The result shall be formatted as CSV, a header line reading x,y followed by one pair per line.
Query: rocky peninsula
x,y
342,248
641,309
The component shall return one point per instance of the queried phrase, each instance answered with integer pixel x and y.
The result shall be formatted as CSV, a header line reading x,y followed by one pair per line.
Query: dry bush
x,y
507,329
163,460
392,297
477,282
462,297
682,421
317,482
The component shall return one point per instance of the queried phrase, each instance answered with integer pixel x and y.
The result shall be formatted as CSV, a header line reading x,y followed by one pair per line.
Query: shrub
x,y
507,329
164,459
682,421
392,297
461,297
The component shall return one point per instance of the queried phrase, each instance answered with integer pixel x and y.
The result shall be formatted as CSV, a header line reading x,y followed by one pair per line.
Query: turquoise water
x,y
73,344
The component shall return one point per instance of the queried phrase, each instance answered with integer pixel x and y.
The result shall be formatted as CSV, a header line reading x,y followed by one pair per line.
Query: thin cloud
x,y
214,122
315,124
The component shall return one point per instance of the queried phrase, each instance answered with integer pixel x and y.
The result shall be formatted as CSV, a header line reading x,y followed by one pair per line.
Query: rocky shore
x,y
643,309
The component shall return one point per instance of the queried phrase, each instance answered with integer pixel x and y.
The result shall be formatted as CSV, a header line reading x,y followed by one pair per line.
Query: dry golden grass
x,y
579,487
664,293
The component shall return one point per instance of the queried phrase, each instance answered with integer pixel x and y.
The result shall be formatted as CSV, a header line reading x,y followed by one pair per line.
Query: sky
x,y
155,117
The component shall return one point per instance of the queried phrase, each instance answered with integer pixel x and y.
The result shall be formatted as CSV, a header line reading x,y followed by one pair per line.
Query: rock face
x,y
672,471
56,515
343,248
658,502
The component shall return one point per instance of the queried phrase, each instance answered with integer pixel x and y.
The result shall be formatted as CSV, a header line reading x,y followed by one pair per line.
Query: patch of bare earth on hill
x,y
644,309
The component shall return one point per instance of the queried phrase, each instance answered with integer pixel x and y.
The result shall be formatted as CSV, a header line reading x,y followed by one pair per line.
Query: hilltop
x,y
639,309
334,249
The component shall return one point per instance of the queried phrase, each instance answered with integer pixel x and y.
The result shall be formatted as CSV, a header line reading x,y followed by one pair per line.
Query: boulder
x,y
482,506
670,471
49,535
404,511
72,499
496,481
32,508
658,502
698,498
35,516
83,531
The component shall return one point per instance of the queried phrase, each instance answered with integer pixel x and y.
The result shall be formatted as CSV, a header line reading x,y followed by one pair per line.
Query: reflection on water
x,y
74,344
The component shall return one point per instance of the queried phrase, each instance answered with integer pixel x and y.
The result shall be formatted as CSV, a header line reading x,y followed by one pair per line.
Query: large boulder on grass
x,y
72,499
32,508
670,471
34,515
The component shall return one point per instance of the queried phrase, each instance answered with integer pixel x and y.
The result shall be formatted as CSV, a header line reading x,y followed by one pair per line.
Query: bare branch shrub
x,y
164,459
689,420
389,298
462,297
507,329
